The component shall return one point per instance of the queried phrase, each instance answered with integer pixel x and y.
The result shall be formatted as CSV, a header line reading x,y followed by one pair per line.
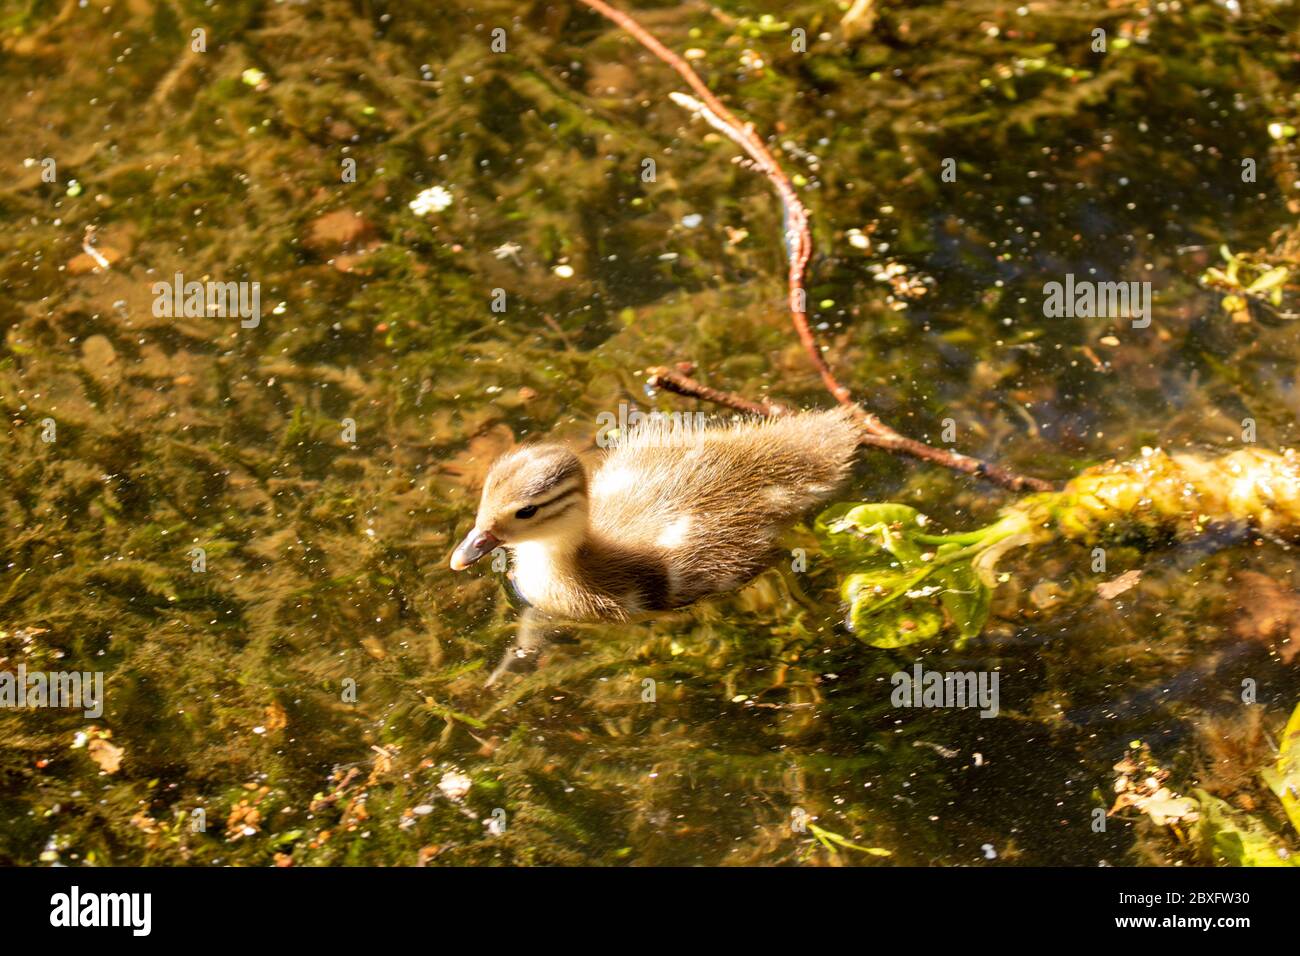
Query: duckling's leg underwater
x,y
534,633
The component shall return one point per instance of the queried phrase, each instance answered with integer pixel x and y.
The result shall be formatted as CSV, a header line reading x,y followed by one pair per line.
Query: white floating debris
x,y
692,220
433,199
95,254
454,784
508,250
564,270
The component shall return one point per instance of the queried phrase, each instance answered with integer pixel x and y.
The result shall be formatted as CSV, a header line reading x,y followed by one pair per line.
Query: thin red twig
x,y
798,237
798,247
679,382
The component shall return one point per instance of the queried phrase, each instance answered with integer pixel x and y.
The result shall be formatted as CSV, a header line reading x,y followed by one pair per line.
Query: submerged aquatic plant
x,y
1229,828
906,584
1244,833
1250,278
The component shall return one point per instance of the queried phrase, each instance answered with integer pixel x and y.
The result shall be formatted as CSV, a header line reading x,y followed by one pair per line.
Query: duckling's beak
x,y
476,544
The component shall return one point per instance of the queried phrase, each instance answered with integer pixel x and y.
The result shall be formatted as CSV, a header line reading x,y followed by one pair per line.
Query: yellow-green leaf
x,y
1284,778
1272,278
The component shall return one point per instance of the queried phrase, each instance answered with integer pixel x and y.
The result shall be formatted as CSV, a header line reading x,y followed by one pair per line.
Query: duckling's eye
x,y
526,512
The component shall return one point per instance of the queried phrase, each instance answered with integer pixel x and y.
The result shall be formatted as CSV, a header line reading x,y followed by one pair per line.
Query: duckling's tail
x,y
812,451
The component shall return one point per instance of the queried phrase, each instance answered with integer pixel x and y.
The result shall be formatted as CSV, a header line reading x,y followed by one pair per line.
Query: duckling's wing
x,y
714,501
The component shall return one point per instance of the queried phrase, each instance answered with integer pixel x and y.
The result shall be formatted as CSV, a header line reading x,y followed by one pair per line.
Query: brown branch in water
x,y
681,383
885,438
798,247
875,434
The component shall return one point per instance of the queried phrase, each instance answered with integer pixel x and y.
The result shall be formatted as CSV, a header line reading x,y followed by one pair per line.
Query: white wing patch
x,y
613,481
778,497
674,535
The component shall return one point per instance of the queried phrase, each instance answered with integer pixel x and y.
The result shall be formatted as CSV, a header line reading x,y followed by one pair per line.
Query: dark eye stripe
x,y
550,515
560,497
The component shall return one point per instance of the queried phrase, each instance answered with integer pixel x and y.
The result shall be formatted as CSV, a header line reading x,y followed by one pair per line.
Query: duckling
x,y
669,515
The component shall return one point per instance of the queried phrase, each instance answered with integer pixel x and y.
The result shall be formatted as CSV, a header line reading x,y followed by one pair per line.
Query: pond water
x,y
309,687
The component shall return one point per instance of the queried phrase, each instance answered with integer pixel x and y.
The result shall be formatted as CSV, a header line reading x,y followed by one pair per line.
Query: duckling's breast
x,y
533,574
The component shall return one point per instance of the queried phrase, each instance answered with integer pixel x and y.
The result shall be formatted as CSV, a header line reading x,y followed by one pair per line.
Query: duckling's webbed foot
x,y
521,657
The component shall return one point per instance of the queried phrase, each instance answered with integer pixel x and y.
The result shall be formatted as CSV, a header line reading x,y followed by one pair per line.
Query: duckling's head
x,y
533,493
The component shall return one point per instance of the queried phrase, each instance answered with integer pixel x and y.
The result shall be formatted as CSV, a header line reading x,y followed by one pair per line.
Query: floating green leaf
x,y
904,586
853,530
887,610
966,599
